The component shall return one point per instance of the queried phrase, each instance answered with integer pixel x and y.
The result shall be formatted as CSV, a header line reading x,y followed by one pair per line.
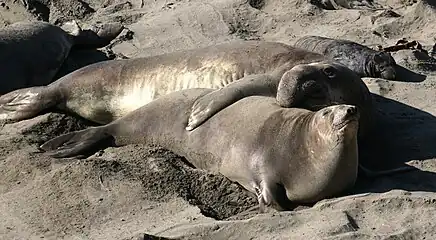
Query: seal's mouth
x,y
345,123
352,116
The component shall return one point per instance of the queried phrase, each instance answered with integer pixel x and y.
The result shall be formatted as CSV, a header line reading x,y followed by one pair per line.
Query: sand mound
x,y
142,192
124,186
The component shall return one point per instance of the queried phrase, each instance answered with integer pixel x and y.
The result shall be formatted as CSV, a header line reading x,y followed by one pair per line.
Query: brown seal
x,y
32,52
310,86
283,155
105,91
366,62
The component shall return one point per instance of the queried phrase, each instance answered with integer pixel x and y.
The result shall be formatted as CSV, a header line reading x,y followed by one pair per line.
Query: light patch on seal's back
x,y
133,98
160,81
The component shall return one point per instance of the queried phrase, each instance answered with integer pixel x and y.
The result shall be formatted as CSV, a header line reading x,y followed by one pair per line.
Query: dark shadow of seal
x,y
406,75
79,58
401,134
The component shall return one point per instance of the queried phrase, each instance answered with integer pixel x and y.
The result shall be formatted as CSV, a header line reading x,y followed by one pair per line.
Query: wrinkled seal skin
x,y
105,91
32,52
283,155
366,62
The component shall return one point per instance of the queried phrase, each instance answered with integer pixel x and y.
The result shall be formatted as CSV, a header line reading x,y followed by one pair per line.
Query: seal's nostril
x,y
351,110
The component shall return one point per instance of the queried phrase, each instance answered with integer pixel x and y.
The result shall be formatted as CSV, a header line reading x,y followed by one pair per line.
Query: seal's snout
x,y
350,112
388,74
344,115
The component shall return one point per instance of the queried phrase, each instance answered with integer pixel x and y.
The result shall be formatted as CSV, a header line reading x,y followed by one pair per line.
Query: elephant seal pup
x,y
283,155
32,52
104,91
366,62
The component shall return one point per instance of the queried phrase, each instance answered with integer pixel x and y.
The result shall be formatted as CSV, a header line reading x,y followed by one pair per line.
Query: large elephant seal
x,y
32,52
283,155
366,62
309,86
105,91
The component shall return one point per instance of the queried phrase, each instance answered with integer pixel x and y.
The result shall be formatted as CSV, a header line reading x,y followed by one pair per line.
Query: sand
x,y
146,192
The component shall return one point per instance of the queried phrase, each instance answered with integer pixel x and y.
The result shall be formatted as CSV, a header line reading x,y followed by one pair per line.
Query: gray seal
x,y
366,62
108,90
33,51
285,156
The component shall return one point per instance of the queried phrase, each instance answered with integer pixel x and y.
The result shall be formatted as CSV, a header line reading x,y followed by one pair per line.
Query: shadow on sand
x,y
401,133
79,58
405,75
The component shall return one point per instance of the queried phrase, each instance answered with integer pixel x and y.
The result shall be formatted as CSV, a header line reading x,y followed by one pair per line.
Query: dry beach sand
x,y
136,191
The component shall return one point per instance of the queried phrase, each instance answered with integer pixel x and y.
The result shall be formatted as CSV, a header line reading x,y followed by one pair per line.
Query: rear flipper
x,y
26,103
84,142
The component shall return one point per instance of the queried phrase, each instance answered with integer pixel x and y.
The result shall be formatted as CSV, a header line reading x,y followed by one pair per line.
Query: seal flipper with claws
x,y
26,103
78,143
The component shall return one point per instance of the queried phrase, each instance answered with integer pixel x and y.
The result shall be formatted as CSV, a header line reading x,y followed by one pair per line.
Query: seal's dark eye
x,y
380,57
325,112
329,71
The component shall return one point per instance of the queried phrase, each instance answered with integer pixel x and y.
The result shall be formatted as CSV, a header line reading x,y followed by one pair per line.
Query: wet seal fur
x,y
366,62
108,90
33,51
283,155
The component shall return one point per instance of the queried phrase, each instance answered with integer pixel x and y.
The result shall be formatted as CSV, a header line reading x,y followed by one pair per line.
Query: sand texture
x,y
144,192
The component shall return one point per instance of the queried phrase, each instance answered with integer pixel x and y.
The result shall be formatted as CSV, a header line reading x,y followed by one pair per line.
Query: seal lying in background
x,y
32,52
108,90
283,155
366,62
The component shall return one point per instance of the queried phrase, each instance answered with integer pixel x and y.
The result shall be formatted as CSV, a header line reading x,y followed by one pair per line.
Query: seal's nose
x,y
351,110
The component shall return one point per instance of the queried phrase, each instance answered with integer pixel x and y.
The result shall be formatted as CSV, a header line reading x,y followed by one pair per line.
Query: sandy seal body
x,y
283,155
105,91
32,52
108,90
366,62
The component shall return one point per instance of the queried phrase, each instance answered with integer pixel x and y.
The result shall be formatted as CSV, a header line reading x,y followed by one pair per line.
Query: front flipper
x,y
25,103
211,103
273,195
78,143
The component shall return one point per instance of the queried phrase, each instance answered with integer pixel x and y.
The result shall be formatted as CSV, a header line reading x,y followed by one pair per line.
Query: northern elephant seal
x,y
311,86
107,90
366,62
33,51
283,155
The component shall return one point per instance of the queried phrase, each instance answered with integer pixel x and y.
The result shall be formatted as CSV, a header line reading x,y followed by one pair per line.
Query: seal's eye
x,y
330,72
325,112
380,57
